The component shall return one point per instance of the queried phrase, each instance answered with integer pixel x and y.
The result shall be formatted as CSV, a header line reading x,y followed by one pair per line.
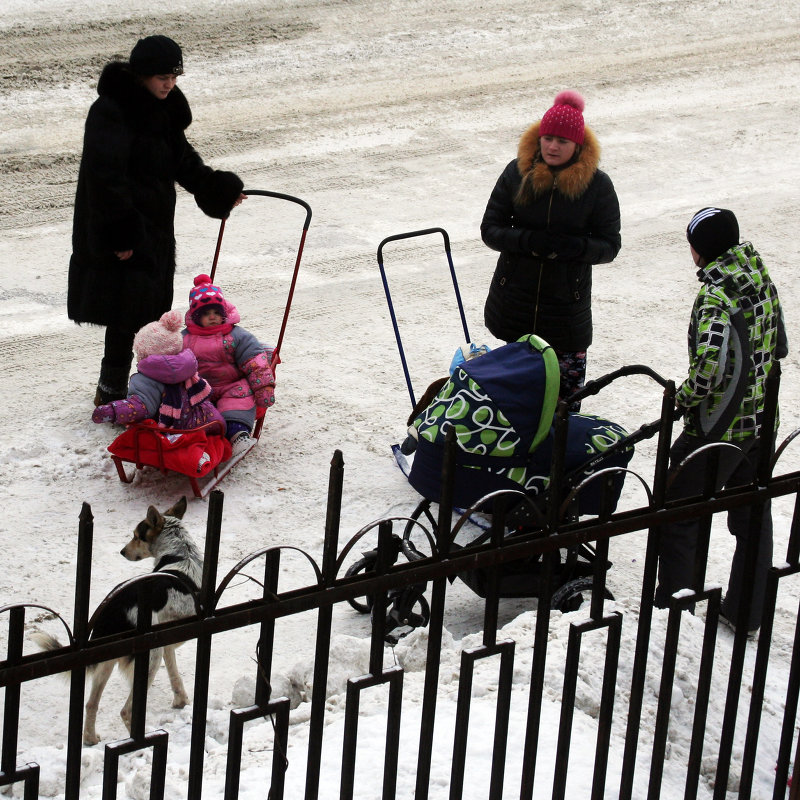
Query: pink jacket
x,y
233,361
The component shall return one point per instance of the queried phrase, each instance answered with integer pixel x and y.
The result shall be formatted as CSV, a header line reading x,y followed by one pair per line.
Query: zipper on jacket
x,y
576,294
538,292
541,260
550,202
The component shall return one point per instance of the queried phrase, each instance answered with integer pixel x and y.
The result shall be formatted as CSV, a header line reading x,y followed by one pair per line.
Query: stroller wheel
x,y
409,610
367,564
573,594
362,605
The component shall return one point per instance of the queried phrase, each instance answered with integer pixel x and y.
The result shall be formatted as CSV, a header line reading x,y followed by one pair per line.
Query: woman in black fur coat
x,y
123,244
552,215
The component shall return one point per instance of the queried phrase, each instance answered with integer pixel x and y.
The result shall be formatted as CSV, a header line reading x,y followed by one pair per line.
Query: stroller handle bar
x,y
593,387
409,235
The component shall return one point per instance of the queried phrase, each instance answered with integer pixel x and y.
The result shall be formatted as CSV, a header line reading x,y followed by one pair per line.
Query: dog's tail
x,y
47,642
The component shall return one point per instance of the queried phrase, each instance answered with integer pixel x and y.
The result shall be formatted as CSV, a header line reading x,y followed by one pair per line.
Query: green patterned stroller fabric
x,y
500,404
501,407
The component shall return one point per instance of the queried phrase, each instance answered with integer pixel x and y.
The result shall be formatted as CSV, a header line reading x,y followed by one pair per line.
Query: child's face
x,y
211,316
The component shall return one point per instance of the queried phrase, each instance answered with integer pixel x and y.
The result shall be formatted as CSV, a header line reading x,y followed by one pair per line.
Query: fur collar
x,y
538,178
119,84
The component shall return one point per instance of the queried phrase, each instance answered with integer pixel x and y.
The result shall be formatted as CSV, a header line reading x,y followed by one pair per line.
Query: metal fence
x,y
407,592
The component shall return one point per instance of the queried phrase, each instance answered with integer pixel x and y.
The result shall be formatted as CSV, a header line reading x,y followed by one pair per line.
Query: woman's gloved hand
x,y
568,247
540,243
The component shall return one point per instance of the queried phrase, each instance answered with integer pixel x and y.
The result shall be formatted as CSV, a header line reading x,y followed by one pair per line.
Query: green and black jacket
x,y
736,333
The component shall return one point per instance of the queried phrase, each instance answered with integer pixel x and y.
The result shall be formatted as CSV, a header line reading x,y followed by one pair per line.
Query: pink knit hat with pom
x,y
162,338
565,118
205,294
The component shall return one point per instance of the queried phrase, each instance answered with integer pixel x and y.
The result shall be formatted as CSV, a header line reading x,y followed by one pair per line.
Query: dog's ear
x,y
178,510
154,519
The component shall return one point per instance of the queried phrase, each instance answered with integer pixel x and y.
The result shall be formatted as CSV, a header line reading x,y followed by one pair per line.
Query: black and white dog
x,y
164,538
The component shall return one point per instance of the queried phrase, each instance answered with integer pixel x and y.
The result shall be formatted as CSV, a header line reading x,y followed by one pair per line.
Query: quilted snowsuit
x,y
235,364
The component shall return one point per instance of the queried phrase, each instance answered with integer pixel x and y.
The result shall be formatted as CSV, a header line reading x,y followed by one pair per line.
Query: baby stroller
x,y
500,406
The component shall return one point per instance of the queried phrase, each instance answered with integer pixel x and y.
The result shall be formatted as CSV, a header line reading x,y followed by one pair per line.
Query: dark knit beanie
x,y
156,55
712,231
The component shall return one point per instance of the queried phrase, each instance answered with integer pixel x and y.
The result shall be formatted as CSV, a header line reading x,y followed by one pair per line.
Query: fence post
x,y
754,534
203,657
322,649
639,671
83,582
438,593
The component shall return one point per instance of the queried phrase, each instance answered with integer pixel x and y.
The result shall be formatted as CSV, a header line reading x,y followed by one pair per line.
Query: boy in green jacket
x,y
736,333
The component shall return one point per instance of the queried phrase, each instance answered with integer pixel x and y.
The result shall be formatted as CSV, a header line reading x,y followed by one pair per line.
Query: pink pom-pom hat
x,y
161,338
564,118
205,294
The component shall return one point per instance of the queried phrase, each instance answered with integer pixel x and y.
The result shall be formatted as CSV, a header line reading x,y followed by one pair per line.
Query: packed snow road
x,y
385,118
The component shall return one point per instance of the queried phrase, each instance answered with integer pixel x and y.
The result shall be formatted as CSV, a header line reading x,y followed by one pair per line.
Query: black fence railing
x,y
401,594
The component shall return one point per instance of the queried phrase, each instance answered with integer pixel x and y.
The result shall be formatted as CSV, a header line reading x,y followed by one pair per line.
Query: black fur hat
x,y
156,55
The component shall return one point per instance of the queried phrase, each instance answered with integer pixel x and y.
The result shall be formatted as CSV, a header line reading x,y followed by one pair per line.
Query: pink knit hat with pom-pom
x,y
161,338
565,118
204,294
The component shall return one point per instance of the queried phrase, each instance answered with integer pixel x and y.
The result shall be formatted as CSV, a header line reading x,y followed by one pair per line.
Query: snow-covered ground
x,y
386,118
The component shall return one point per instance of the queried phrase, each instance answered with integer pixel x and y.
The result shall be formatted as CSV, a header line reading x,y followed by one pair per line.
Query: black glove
x,y
568,247
540,244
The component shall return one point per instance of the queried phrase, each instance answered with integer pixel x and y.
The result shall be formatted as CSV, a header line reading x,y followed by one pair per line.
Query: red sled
x,y
202,454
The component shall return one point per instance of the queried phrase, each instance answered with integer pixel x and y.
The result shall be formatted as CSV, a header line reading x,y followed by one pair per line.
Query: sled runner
x,y
500,405
202,454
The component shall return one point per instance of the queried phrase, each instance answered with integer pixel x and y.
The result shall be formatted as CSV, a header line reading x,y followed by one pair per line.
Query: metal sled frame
x,y
219,472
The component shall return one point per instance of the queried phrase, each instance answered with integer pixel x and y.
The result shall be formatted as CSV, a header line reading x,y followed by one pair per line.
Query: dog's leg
x,y
179,696
100,675
155,663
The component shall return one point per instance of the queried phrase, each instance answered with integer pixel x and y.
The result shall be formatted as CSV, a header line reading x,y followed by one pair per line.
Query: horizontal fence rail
x,y
401,594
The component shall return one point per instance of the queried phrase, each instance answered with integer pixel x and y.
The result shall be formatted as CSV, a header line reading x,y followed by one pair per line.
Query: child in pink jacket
x,y
230,358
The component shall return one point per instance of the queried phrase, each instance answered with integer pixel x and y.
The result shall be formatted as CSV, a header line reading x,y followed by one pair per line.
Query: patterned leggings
x,y
573,375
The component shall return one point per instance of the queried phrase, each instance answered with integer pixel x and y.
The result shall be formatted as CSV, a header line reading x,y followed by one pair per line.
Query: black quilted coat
x,y
134,152
551,297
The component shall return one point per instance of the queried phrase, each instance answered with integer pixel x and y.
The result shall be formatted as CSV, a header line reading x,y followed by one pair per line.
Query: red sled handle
x,y
280,196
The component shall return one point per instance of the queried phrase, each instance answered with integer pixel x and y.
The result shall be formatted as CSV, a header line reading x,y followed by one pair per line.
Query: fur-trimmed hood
x,y
538,178
119,84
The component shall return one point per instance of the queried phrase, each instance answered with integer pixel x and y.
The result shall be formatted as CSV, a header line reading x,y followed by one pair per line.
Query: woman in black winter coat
x,y
552,214
123,244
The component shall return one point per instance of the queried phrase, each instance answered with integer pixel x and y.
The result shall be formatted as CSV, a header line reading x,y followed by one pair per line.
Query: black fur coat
x,y
134,152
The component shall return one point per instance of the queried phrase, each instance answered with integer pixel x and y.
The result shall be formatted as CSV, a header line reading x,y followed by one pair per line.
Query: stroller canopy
x,y
501,406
